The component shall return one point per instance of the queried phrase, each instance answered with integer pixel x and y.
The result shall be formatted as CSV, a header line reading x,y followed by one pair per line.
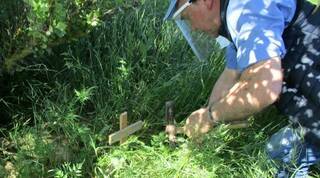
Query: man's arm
x,y
258,87
226,80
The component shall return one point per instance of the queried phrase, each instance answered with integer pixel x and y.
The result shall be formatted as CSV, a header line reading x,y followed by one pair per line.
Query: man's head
x,y
202,15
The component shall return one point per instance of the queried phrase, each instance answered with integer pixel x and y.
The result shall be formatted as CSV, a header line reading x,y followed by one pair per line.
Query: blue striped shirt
x,y
256,28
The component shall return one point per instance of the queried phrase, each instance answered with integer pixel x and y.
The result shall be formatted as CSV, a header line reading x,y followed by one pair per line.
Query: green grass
x,y
132,62
214,158
315,1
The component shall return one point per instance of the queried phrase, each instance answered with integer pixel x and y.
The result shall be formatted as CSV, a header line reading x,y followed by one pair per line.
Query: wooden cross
x,y
125,130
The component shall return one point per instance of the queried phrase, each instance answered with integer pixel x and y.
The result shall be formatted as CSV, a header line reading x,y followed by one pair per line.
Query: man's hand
x,y
198,123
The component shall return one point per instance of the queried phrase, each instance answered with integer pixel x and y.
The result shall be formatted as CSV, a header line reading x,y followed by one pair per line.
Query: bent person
x,y
273,58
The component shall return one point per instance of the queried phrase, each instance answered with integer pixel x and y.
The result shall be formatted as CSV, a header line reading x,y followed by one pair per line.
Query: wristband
x,y
210,115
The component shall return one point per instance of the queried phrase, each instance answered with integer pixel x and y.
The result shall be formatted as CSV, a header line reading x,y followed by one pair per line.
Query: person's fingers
x,y
180,130
205,128
197,124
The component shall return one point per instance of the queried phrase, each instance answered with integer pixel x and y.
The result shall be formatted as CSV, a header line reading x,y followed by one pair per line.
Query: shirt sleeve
x,y
231,57
258,35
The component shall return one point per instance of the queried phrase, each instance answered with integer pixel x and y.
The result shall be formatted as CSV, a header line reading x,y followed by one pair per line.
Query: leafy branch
x,y
49,23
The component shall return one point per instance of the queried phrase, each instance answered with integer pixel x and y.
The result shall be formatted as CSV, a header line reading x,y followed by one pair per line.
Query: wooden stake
x,y
230,125
123,125
238,124
170,123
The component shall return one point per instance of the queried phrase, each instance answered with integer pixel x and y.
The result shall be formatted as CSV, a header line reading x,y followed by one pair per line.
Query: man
x,y
274,57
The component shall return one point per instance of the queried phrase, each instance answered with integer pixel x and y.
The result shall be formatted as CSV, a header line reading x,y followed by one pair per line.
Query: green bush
x,y
34,26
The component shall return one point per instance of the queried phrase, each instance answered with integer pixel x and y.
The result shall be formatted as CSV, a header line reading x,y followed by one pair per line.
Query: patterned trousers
x,y
291,154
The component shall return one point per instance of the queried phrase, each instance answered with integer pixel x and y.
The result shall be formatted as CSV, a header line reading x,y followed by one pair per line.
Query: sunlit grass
x,y
215,157
315,1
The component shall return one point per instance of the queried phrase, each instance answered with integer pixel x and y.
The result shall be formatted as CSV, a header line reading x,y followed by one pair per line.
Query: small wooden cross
x,y
125,130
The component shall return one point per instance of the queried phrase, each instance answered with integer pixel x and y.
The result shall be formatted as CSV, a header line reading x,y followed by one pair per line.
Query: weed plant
x,y
63,109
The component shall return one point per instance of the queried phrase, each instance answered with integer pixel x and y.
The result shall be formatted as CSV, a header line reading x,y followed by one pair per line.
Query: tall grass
x,y
132,62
